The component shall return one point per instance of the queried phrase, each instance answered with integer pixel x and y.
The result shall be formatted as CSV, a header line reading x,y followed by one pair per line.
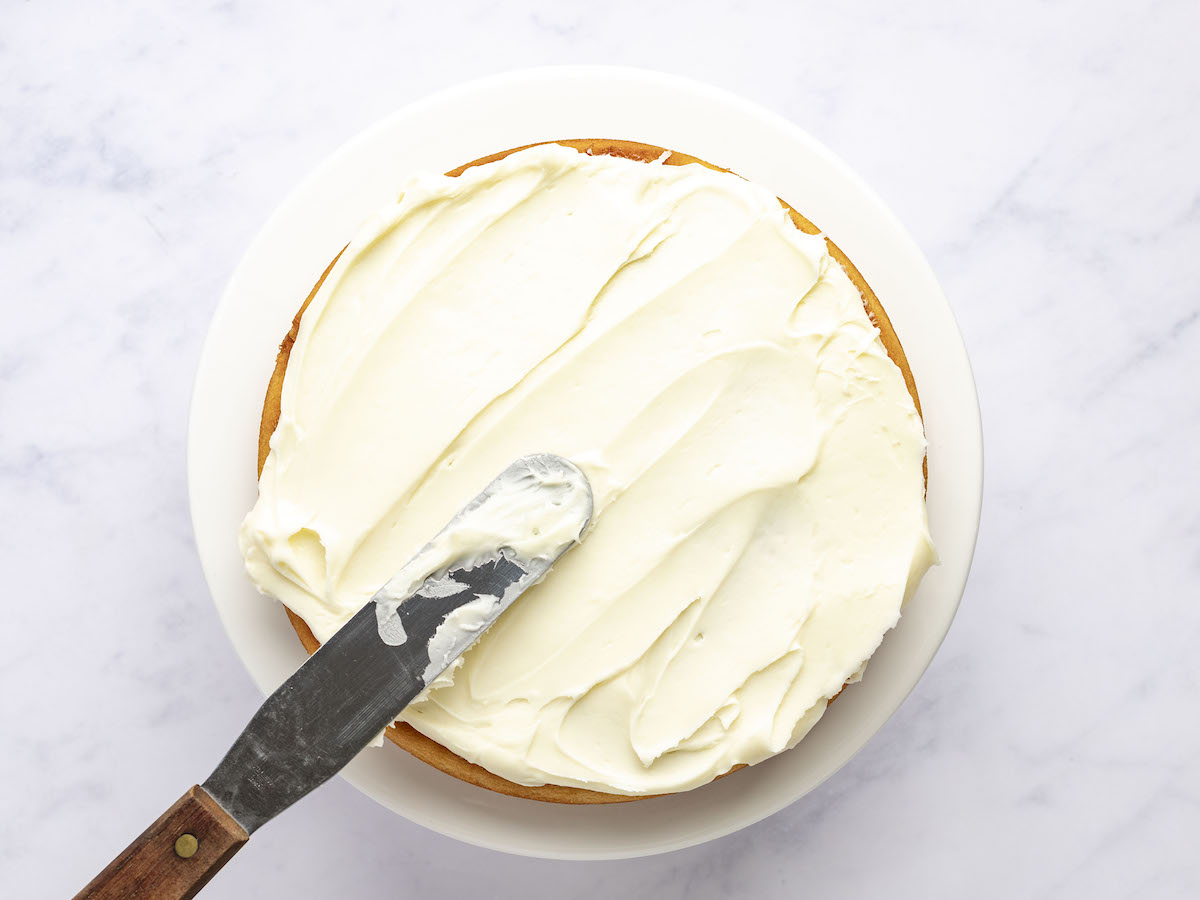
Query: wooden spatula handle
x,y
174,857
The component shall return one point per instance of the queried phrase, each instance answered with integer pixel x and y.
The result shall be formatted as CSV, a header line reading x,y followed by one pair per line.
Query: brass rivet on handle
x,y
186,846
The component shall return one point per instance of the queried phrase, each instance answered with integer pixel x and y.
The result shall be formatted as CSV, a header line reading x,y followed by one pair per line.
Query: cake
x,y
723,374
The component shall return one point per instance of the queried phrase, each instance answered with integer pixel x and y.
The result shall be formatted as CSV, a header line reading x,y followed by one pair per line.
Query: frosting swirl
x,y
754,455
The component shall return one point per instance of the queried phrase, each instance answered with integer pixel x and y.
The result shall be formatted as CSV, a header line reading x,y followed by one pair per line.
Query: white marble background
x,y
1046,156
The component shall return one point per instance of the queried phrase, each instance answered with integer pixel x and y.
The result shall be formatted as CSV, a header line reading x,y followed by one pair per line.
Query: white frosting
x,y
754,456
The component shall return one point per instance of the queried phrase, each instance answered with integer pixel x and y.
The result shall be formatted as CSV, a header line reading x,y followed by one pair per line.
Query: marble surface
x,y
1044,155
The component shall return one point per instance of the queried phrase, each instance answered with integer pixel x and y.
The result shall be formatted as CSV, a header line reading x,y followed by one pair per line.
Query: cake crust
x,y
404,735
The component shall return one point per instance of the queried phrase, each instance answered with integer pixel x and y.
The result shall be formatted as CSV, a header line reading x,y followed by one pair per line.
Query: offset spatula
x,y
356,684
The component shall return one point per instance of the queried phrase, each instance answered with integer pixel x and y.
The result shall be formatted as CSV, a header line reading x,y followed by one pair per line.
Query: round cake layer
x,y
756,457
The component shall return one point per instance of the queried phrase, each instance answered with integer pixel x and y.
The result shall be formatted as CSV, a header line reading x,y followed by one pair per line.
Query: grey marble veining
x,y
1044,155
